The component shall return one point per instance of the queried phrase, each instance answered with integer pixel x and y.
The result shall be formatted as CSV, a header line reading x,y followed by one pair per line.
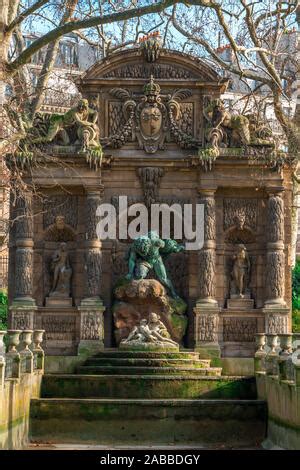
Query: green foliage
x,y
3,310
296,297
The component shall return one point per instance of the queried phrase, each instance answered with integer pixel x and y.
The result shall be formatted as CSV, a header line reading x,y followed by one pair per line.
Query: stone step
x,y
118,370
146,362
115,421
147,386
116,353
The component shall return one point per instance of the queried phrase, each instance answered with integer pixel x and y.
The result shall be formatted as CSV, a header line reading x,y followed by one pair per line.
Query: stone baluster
x,y
275,305
12,354
296,358
284,355
25,353
271,360
260,355
206,310
23,305
37,350
91,307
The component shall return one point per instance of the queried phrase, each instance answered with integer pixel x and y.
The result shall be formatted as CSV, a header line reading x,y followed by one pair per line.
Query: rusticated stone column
x,y
207,310
207,255
275,306
23,306
92,308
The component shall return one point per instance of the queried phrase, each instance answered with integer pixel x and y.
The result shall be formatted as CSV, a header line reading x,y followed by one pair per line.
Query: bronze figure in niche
x,y
62,272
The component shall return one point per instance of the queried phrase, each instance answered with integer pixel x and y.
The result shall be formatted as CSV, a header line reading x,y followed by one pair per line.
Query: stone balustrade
x,y
277,370
21,370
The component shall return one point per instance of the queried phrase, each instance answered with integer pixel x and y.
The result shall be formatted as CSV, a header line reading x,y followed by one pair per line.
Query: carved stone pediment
x,y
170,65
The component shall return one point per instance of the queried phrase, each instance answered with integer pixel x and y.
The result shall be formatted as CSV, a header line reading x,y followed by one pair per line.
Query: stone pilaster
x,y
275,306
92,308
206,310
23,305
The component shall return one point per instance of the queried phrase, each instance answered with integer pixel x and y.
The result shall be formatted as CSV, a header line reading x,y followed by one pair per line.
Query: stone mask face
x,y
60,223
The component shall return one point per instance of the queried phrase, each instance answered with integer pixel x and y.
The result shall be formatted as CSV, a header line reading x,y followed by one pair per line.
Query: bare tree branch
x,y
18,20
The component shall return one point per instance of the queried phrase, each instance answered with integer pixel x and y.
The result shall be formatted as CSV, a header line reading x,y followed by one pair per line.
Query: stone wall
x,y
20,380
277,370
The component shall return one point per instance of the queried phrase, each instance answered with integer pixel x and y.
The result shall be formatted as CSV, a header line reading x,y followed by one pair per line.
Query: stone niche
x,y
157,148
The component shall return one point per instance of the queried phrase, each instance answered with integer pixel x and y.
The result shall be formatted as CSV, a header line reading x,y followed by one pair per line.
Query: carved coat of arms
x,y
149,117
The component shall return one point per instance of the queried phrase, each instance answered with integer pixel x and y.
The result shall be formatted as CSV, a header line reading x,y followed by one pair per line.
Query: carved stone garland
x,y
150,178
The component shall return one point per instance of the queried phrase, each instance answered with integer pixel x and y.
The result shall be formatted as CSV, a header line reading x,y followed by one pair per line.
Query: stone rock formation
x,y
136,299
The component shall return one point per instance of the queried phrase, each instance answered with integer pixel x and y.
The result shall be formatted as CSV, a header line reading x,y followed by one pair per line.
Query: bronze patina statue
x,y
146,253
